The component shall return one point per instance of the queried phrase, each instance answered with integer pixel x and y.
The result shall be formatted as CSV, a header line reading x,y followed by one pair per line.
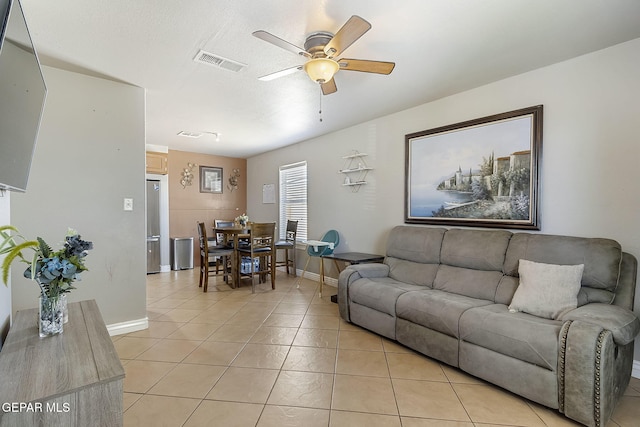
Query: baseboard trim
x,y
635,371
165,268
128,327
316,277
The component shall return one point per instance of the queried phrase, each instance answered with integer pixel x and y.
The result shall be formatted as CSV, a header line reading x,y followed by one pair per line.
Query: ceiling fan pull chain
x,y
320,111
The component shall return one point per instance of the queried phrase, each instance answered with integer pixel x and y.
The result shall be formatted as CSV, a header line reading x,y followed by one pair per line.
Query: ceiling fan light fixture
x,y
321,70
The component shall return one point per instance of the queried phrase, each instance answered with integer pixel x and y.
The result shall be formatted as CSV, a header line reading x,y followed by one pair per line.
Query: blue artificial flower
x,y
68,270
75,246
51,269
53,264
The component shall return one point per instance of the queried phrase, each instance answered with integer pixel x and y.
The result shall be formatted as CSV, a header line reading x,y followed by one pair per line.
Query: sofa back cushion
x,y
471,262
481,284
418,244
413,254
475,249
601,259
414,273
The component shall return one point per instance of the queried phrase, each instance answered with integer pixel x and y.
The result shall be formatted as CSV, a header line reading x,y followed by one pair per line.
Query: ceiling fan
x,y
321,48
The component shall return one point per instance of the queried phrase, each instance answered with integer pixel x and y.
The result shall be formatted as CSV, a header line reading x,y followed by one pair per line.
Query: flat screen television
x,y
22,96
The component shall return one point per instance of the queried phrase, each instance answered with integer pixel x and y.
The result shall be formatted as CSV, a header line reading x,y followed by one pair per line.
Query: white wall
x,y
5,291
590,154
90,155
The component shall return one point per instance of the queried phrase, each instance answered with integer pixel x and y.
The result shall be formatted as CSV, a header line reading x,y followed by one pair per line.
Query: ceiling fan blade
x,y
280,73
277,41
378,67
329,87
351,31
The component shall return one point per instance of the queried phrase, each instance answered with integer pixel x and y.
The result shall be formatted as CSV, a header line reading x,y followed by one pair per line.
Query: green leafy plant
x,y
12,249
53,271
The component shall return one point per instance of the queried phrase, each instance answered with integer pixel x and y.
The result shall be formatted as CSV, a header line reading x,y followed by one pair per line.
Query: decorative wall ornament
x,y
187,175
233,180
355,170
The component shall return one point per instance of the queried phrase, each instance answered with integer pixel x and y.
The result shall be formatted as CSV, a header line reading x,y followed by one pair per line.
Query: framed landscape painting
x,y
481,172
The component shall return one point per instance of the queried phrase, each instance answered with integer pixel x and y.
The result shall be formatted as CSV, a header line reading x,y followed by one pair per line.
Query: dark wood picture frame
x,y
480,173
210,179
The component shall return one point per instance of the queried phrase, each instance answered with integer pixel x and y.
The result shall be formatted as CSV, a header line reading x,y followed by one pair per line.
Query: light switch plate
x,y
128,204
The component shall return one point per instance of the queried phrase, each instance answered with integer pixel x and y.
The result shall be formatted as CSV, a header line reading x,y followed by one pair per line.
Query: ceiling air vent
x,y
218,61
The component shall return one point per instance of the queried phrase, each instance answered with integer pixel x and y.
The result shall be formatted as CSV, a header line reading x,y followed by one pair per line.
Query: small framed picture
x,y
210,179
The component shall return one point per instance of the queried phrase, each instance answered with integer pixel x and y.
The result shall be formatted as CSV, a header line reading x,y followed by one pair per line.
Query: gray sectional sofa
x,y
447,293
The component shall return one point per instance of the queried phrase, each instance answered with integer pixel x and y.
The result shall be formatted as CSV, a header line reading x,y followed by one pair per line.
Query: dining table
x,y
231,237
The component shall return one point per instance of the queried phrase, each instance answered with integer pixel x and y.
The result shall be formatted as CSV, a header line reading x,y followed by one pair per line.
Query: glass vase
x,y
65,309
50,316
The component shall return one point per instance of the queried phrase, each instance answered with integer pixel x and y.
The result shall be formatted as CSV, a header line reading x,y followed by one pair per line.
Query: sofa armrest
x,y
593,370
350,275
623,323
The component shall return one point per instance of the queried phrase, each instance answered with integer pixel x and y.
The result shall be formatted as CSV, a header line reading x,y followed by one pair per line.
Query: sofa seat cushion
x,y
519,335
379,294
436,310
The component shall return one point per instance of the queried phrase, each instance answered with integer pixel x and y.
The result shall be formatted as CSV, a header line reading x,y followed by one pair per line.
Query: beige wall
x,y
188,205
589,156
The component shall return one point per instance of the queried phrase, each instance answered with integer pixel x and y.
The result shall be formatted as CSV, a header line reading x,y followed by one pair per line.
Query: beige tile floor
x,y
285,358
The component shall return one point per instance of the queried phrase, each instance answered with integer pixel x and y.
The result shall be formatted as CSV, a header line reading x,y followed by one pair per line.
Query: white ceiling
x,y
440,47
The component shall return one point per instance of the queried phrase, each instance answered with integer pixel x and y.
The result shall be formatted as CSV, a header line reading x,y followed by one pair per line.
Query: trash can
x,y
181,253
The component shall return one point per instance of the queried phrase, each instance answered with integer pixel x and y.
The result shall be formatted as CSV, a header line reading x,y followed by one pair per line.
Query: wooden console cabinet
x,y
71,379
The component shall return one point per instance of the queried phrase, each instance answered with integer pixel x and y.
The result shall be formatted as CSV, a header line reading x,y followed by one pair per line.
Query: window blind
x,y
293,198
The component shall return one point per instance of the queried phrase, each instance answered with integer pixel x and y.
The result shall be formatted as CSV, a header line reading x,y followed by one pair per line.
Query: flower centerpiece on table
x,y
53,271
243,220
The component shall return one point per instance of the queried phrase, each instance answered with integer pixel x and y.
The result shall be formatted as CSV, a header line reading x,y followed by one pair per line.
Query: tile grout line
x,y
262,324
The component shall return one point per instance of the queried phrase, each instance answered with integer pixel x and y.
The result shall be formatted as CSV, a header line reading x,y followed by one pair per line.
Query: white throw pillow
x,y
547,290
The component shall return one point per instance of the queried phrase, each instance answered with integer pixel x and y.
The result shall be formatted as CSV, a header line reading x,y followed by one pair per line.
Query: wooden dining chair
x,y
262,246
288,244
222,223
209,255
220,241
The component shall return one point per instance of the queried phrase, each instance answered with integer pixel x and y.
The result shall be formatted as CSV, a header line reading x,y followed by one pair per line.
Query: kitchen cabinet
x,y
157,163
